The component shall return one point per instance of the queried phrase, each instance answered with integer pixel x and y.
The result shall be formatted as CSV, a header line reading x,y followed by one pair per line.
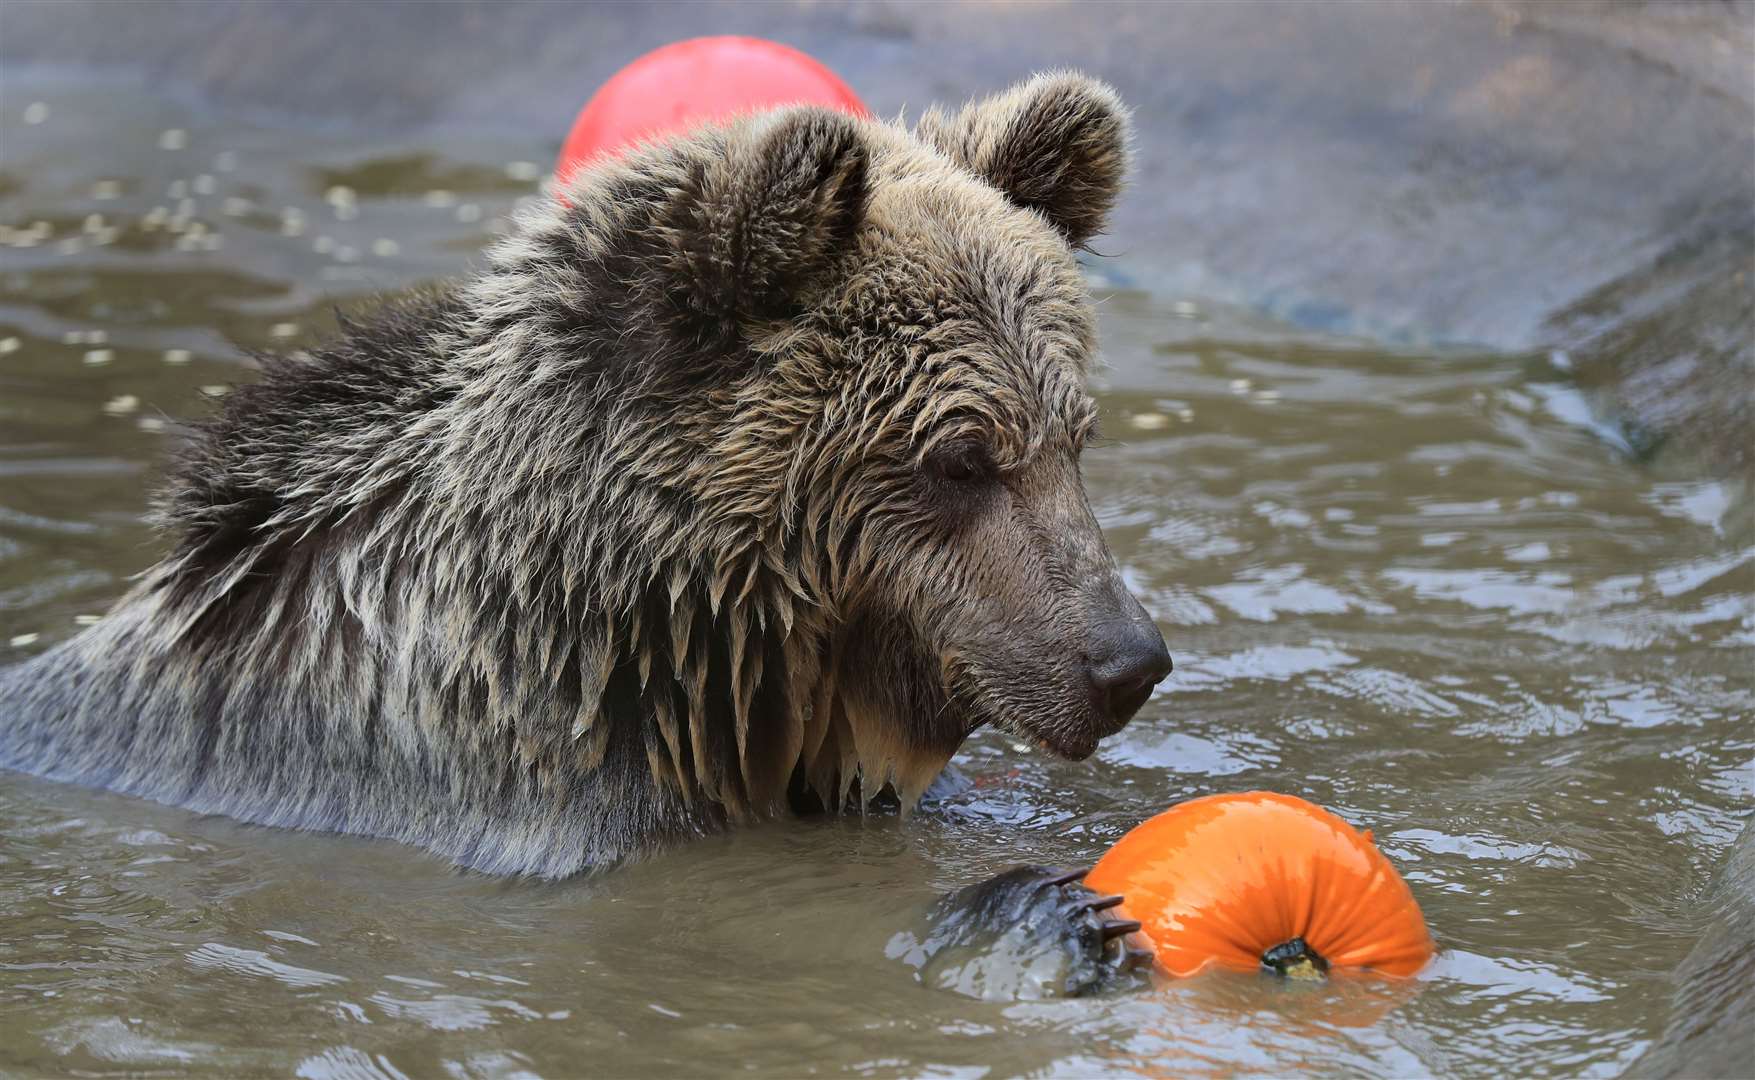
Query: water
x,y
1419,589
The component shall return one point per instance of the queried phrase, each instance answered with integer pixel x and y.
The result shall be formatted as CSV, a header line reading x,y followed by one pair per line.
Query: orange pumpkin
x,y
1259,880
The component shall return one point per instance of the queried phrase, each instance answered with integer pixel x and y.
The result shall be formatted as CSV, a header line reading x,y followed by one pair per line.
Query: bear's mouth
x,y
1076,737
1071,731
1072,741
1073,746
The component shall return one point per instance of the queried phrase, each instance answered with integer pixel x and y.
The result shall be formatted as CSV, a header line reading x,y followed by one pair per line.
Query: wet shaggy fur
x,y
744,476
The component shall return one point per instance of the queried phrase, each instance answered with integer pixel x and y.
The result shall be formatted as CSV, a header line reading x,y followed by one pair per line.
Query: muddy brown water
x,y
1425,590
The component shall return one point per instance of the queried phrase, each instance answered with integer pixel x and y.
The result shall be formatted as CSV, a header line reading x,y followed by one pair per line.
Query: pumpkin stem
x,y
1294,959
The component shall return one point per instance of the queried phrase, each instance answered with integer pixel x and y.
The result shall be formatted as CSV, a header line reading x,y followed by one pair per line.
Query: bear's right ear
x,y
1057,144
763,220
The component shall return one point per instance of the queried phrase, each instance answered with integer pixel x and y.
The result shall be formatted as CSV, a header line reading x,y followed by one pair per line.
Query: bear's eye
x,y
965,464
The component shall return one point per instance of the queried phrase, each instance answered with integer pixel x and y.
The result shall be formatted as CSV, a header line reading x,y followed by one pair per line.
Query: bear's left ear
x,y
1057,144
767,217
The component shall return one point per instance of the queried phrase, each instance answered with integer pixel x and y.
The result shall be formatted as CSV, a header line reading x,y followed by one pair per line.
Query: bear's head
x,y
830,440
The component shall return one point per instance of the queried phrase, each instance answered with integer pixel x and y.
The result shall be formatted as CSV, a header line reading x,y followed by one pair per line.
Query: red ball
x,y
674,89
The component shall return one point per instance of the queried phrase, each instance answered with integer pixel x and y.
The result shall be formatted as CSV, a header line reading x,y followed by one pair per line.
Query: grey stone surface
x,y
1447,171
1486,172
1668,346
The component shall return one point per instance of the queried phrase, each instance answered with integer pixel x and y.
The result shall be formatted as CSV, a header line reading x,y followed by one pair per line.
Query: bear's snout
x,y
1125,658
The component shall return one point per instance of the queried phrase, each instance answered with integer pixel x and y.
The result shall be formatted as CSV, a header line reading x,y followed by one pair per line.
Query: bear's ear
x,y
1057,144
770,214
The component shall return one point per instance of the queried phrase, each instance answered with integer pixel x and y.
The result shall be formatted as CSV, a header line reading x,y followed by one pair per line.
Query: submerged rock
x,y
1712,1021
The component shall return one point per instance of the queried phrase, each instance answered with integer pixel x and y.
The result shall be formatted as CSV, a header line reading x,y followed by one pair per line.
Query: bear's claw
x,y
1034,910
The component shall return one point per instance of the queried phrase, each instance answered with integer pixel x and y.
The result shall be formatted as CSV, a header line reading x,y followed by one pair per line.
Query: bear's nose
x,y
1127,659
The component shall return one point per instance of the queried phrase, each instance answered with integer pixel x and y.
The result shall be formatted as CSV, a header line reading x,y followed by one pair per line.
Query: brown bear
x,y
746,476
